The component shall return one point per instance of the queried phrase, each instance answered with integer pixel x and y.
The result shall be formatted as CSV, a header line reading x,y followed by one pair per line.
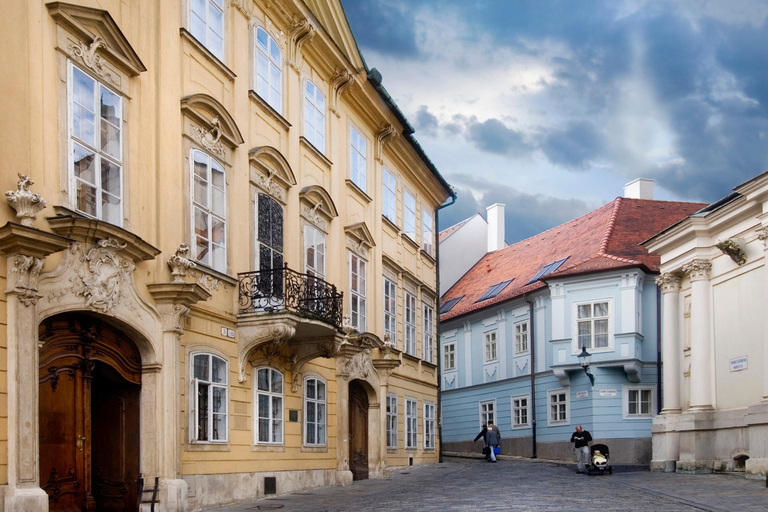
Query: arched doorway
x,y
90,383
358,431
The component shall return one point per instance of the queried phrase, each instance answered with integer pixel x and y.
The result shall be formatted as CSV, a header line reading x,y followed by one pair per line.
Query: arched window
x,y
209,211
269,406
269,65
314,116
209,399
314,412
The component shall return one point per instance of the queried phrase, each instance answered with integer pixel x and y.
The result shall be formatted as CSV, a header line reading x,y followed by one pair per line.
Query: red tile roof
x,y
603,239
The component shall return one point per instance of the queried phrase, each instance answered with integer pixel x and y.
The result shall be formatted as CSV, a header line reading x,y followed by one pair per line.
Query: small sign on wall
x,y
738,364
582,394
607,393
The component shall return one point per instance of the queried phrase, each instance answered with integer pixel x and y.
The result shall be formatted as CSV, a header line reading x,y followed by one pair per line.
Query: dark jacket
x,y
483,433
581,438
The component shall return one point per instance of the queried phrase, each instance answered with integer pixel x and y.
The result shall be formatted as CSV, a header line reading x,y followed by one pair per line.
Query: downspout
x,y
659,362
533,376
437,338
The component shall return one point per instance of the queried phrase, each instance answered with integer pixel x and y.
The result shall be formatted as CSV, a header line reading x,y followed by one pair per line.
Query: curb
x,y
622,468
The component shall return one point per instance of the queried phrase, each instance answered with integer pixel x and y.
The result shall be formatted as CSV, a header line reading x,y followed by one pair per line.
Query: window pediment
x,y
359,238
317,206
216,124
271,171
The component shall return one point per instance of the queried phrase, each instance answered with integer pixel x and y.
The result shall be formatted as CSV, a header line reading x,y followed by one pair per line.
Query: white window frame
x,y
411,424
208,211
390,310
319,404
491,346
427,232
429,426
392,422
409,214
358,174
452,346
487,414
627,389
409,307
526,408
271,64
99,154
221,6
428,333
312,238
272,395
194,399
389,196
314,116
567,403
521,334
357,296
577,343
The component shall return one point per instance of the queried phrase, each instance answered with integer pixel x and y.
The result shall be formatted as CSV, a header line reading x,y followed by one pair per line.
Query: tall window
x,y
314,251
389,207
314,412
410,324
409,215
269,74
269,233
269,404
411,436
357,277
390,310
429,426
521,338
357,159
639,402
558,407
392,421
209,210
487,412
519,411
593,325
449,356
429,333
206,23
427,232
209,389
490,346
314,116
96,148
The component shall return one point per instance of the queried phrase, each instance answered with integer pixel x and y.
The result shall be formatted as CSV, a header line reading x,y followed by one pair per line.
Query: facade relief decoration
x,y
359,239
101,274
210,139
301,31
733,249
27,204
269,339
357,367
27,271
669,282
271,172
317,206
240,5
385,133
762,235
341,80
180,264
698,269
86,55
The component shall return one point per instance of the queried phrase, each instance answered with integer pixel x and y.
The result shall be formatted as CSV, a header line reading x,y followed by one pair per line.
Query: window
x,y
209,211
558,407
592,324
494,290
314,412
448,305
490,346
392,421
95,148
449,356
521,338
314,116
209,392
269,403
357,269
269,74
520,411
547,269
639,402
429,333
409,215
411,437
389,199
427,232
429,426
410,324
487,412
206,23
357,159
314,252
269,234
390,311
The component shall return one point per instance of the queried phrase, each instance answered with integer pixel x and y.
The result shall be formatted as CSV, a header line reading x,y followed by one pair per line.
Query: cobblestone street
x,y
471,484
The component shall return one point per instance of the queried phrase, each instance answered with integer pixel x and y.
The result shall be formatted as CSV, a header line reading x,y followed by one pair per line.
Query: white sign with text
x,y
738,364
607,393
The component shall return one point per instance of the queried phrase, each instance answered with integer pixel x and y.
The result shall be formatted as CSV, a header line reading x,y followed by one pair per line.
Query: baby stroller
x,y
597,464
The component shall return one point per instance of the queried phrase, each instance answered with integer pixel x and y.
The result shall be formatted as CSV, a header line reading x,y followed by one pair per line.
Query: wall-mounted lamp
x,y
584,359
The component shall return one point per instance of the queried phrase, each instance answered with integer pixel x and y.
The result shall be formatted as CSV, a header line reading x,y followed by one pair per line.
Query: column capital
x,y
669,282
698,269
762,235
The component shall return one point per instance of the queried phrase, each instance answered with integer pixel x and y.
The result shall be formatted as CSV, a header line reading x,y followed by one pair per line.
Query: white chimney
x,y
495,215
641,188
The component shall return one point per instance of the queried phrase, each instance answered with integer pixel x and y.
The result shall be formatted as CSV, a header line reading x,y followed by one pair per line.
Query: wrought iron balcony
x,y
283,289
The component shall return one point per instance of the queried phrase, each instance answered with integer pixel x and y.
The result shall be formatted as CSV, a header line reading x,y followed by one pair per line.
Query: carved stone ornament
x,y
341,80
180,264
358,247
102,274
312,214
26,203
669,282
301,31
208,282
173,316
357,367
27,270
93,61
762,235
698,269
266,181
240,5
270,341
385,133
733,250
210,139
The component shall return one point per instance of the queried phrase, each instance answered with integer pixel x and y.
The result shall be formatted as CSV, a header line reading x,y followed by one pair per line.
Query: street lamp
x,y
584,359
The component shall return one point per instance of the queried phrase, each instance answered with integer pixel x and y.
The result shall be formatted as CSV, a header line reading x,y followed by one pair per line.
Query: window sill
x,y
358,191
411,357
525,353
411,449
268,109
186,34
314,449
392,451
213,276
268,448
207,447
427,255
521,427
429,450
315,151
390,223
429,365
411,241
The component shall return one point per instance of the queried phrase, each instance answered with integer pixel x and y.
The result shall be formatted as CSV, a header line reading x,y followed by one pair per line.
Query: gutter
x,y
532,341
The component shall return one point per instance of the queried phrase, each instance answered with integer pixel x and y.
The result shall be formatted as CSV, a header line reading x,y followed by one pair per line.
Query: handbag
x,y
496,450
486,450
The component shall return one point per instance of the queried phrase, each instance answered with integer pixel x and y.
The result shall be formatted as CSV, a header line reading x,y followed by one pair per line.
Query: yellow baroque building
x,y
219,256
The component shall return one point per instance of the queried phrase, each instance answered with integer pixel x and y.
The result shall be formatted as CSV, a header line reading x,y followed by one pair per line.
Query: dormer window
x,y
448,305
547,269
494,290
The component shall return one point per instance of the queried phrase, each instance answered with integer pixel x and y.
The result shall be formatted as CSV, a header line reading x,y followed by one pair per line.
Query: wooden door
x,y
358,431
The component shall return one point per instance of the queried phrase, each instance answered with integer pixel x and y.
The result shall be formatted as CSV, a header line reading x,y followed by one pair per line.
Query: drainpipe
x,y
659,362
533,375
439,411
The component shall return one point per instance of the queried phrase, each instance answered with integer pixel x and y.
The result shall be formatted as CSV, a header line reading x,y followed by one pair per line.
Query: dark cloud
x,y
573,147
494,136
386,26
425,122
743,53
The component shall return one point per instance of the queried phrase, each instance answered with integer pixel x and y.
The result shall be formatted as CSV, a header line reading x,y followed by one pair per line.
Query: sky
x,y
552,106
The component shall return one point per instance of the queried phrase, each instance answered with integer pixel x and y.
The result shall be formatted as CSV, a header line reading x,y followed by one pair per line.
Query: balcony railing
x,y
283,289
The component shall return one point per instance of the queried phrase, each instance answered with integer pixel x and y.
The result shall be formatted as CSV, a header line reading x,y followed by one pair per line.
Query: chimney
x,y
495,215
641,188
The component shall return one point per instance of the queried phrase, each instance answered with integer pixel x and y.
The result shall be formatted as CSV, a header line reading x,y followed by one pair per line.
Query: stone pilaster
x,y
701,344
762,234
670,286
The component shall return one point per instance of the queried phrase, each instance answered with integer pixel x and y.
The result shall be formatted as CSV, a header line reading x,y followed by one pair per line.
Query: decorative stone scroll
x,y
733,250
341,80
301,31
385,133
27,271
210,139
698,269
26,203
86,54
101,274
180,264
